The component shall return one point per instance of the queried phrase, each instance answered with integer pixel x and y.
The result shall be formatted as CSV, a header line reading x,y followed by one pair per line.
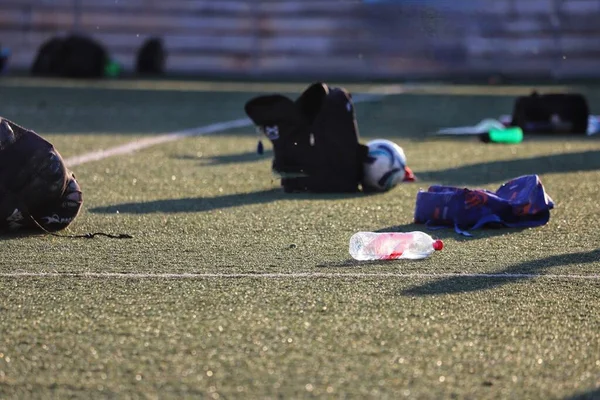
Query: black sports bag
x,y
315,139
551,113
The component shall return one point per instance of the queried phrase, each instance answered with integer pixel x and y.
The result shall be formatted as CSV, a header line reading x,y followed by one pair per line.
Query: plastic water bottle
x,y
512,134
393,245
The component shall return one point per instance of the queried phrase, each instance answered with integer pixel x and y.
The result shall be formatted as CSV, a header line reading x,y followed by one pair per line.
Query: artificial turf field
x,y
231,288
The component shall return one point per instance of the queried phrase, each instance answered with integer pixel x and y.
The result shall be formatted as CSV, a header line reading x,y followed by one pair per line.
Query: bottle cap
x,y
438,245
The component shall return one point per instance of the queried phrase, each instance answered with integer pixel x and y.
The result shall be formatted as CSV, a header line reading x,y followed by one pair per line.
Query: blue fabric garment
x,y
520,202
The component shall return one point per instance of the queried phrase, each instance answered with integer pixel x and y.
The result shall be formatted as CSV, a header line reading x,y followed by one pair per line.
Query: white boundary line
x,y
292,275
140,144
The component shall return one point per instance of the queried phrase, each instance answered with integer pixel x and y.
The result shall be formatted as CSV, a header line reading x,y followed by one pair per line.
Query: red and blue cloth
x,y
519,203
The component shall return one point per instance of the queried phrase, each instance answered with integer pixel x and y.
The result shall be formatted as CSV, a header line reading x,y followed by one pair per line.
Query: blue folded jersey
x,y
520,202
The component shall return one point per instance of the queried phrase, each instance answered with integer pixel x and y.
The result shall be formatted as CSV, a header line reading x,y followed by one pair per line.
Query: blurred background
x,y
495,40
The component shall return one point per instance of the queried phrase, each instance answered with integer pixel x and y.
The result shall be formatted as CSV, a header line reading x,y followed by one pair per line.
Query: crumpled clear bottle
x,y
393,245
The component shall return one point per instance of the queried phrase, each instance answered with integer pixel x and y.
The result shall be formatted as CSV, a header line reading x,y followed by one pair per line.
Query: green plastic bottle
x,y
112,69
510,135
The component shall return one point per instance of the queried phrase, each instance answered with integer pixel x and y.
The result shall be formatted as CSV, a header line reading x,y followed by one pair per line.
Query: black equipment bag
x,y
37,191
551,113
315,139
73,56
36,188
151,57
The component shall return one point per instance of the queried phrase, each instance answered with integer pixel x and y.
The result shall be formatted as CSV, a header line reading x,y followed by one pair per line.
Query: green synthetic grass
x,y
210,205
260,338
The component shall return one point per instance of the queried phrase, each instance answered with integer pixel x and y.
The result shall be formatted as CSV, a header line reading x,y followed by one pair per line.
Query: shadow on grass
x,y
202,204
458,284
495,171
72,110
449,233
350,263
474,174
356,263
21,234
592,394
239,158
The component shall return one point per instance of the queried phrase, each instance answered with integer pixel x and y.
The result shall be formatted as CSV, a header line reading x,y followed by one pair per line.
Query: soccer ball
x,y
385,166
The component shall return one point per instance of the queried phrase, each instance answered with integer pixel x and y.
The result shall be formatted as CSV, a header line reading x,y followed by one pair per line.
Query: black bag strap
x,y
22,206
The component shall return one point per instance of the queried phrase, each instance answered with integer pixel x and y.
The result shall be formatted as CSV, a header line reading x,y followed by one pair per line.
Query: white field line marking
x,y
155,140
140,144
293,275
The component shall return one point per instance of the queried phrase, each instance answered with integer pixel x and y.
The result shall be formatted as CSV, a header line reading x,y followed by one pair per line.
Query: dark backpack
x,y
551,113
151,58
34,182
37,191
29,165
73,56
315,139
